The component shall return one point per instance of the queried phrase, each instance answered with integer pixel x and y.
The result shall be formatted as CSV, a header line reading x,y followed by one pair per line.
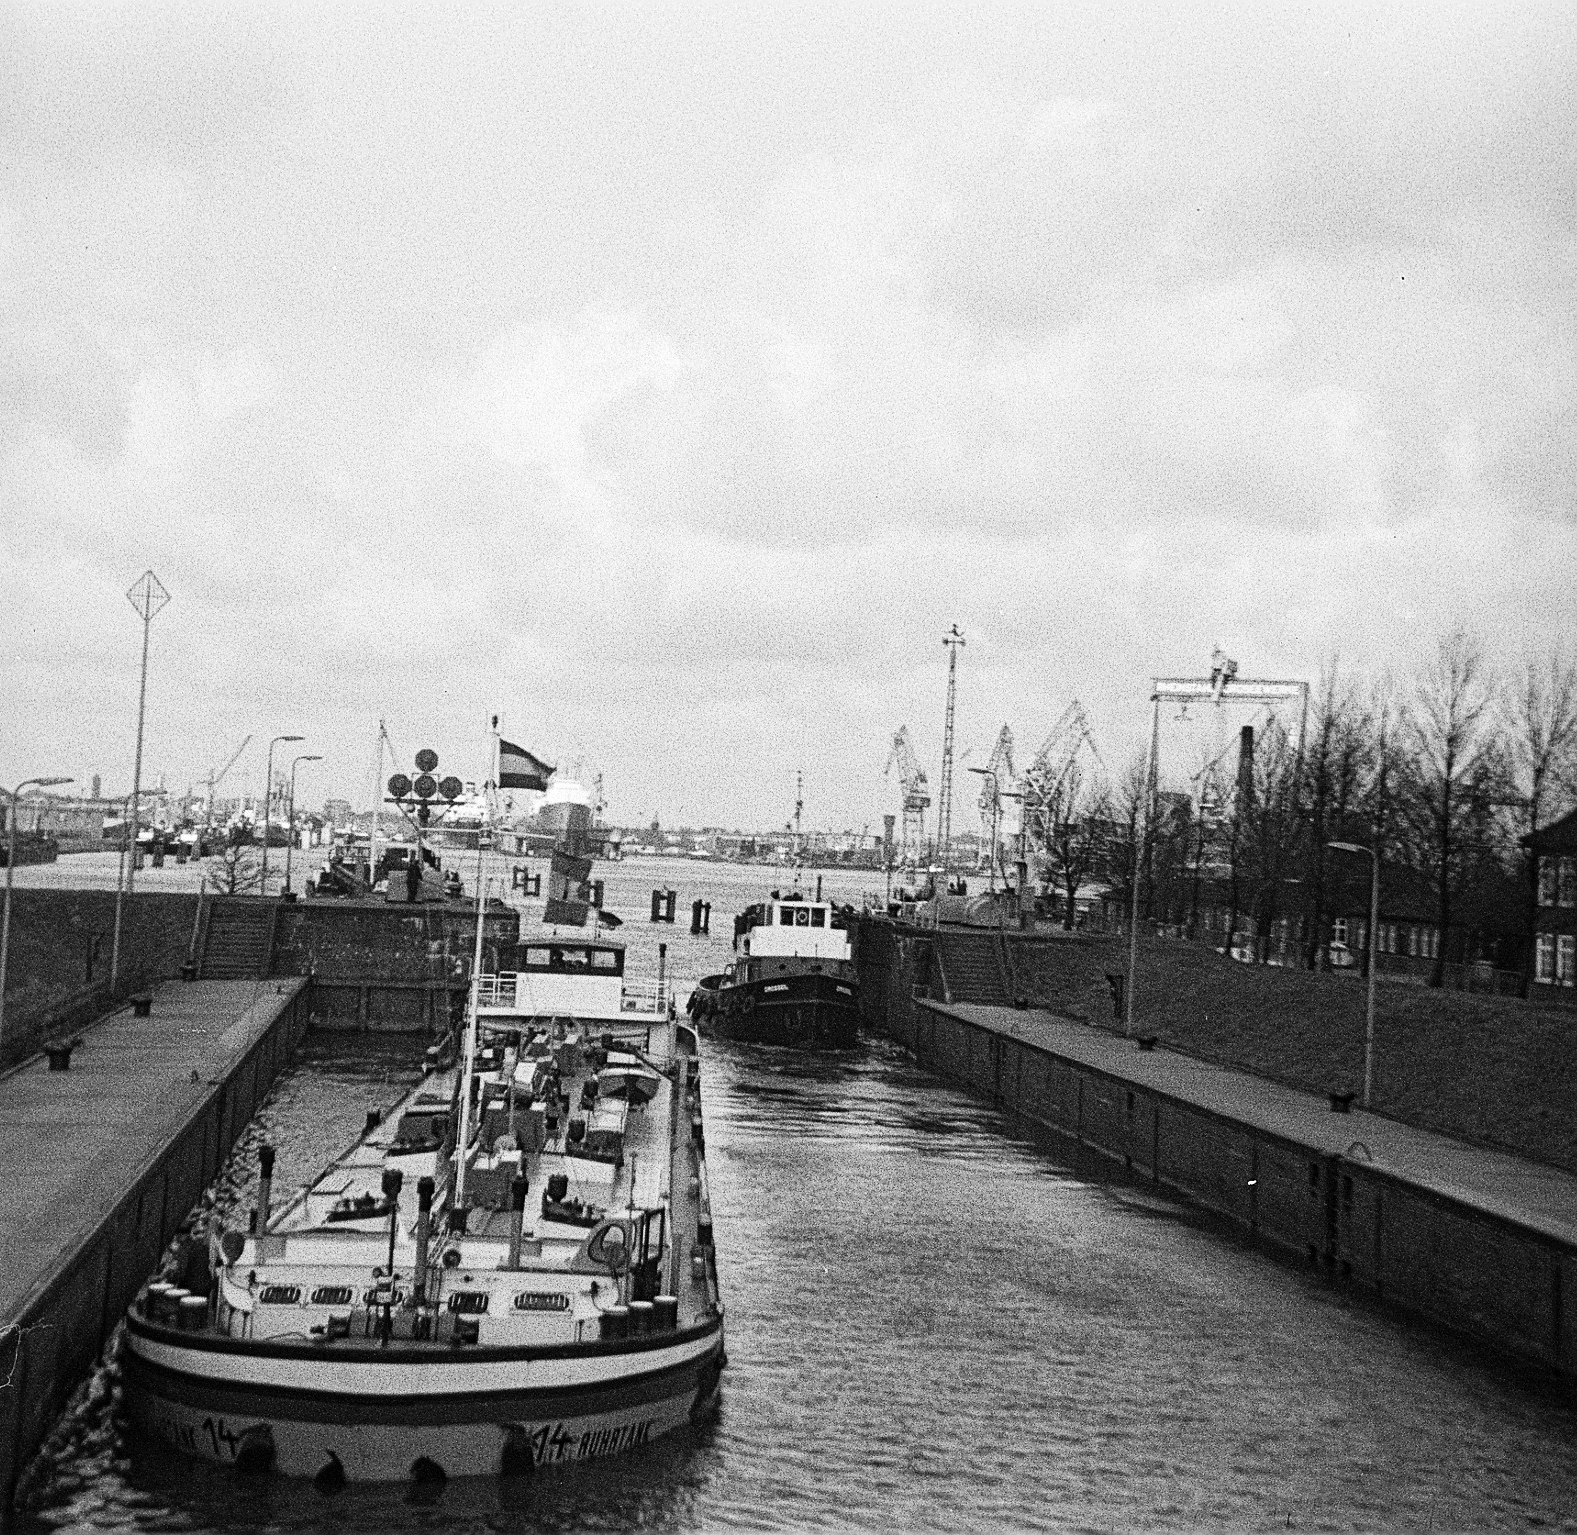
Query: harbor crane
x,y
916,795
996,784
1046,776
215,779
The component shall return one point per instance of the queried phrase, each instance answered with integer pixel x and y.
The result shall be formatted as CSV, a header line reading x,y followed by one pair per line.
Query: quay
x,y
103,1161
1479,1241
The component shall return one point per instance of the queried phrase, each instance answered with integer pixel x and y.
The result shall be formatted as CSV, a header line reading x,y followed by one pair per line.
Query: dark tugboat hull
x,y
807,1011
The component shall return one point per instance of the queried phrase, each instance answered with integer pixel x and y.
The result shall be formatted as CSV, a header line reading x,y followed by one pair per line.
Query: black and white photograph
x,y
788,767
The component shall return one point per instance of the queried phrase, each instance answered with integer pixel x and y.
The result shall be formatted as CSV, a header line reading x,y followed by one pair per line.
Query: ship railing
x,y
646,998
496,990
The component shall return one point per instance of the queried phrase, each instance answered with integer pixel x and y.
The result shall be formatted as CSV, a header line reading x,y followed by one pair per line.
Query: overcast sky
x,y
668,379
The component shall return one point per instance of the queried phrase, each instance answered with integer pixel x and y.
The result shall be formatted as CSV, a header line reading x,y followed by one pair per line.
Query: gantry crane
x,y
916,795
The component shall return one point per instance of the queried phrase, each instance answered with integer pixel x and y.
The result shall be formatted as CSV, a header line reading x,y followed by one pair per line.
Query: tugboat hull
x,y
342,1419
809,1011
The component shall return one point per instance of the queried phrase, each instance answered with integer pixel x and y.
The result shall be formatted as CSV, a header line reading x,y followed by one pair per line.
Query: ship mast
x,y
483,838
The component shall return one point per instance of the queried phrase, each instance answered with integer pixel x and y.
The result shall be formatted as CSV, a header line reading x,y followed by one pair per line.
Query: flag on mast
x,y
519,769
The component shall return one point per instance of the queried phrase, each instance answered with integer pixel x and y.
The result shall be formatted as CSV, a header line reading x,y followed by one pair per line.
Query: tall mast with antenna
x,y
799,806
954,640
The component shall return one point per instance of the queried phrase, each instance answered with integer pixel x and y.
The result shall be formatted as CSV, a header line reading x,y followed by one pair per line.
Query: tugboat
x,y
514,1270
793,983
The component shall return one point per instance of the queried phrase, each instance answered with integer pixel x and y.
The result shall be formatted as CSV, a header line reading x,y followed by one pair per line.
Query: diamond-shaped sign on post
x,y
147,595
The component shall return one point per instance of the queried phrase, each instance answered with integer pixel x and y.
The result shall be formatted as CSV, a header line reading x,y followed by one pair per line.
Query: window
x,y
1339,931
1412,941
1544,966
604,959
1360,938
468,1302
1566,959
1547,871
1566,882
543,957
331,1295
786,916
802,917
818,917
280,1294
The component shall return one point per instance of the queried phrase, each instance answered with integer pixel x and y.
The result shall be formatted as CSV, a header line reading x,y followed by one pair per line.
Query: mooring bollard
x,y
60,1054
142,1006
695,915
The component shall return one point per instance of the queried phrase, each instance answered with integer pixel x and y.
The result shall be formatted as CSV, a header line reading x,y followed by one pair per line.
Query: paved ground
x,y
99,871
69,1139
1530,1193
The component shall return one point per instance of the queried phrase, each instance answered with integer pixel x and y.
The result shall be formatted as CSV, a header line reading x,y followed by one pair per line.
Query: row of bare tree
x,y
1444,773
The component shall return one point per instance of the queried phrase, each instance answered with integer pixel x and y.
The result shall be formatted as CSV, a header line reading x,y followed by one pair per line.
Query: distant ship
x,y
793,983
566,817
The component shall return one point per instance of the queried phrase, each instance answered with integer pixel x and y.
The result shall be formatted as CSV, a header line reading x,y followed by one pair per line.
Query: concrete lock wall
x,y
64,1323
388,967
1431,1255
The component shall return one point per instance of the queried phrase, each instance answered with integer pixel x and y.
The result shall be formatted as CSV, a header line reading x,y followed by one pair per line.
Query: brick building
x,y
1555,920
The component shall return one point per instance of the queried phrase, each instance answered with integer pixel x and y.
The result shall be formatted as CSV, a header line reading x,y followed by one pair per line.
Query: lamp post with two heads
x,y
1374,927
290,819
268,803
10,864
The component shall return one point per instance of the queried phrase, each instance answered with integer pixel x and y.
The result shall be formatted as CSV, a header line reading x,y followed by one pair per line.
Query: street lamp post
x,y
290,819
10,864
268,802
1374,929
148,596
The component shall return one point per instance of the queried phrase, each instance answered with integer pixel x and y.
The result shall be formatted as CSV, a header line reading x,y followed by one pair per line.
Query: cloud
x,y
672,382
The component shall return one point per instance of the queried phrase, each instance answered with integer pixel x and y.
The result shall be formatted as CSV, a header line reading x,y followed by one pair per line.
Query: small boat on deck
x,y
793,983
513,1270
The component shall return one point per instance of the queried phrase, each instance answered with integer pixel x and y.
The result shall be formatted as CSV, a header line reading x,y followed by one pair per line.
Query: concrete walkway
x,y
1531,1194
72,1143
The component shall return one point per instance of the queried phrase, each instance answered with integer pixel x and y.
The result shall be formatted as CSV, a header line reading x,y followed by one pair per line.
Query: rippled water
x,y
934,1325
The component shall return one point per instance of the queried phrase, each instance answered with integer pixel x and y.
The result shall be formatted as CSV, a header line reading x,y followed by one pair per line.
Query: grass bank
x,y
1489,1069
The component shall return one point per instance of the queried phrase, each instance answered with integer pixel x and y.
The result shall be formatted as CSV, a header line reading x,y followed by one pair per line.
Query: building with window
x,y
1554,851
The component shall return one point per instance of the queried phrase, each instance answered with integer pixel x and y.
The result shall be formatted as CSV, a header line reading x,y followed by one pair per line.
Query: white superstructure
x,y
800,928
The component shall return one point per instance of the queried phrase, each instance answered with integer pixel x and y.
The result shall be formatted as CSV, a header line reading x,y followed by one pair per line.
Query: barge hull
x,y
381,1438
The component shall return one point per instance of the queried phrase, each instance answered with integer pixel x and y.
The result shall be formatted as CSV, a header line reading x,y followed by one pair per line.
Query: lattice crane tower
x,y
954,641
